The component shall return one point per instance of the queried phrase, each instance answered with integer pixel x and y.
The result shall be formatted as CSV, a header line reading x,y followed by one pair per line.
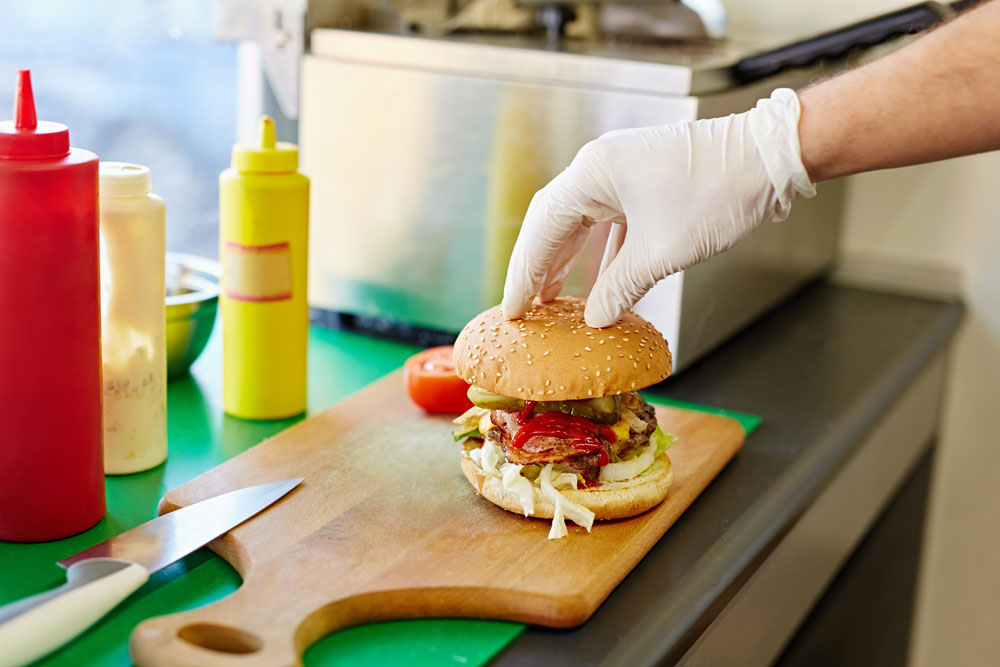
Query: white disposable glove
x,y
678,193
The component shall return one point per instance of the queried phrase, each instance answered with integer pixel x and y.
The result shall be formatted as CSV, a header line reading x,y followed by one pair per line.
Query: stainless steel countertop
x,y
820,370
680,68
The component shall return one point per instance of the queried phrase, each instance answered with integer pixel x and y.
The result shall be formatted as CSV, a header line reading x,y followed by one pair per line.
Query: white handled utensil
x,y
100,577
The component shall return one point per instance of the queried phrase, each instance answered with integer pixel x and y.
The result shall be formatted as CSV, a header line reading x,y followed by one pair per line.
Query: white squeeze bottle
x,y
133,319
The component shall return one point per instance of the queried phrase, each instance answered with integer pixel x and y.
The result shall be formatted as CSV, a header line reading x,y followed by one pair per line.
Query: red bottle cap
x,y
26,136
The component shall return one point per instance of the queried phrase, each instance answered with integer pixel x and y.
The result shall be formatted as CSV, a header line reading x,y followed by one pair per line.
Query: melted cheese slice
x,y
621,429
485,424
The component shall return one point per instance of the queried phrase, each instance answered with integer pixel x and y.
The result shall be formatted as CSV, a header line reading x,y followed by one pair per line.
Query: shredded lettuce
x,y
564,508
513,481
462,434
661,441
488,457
558,529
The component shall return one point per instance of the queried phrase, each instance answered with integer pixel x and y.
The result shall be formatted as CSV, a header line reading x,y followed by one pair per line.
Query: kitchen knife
x,y
99,578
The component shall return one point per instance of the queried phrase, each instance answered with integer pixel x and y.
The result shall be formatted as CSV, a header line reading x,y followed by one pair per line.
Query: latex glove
x,y
678,193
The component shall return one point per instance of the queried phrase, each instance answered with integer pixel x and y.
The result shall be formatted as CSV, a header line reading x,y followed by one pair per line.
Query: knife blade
x,y
100,577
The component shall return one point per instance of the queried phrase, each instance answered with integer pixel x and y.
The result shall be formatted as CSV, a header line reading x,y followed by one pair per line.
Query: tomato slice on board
x,y
432,383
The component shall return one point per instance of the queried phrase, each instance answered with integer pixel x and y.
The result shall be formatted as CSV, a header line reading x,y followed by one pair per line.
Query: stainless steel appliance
x,y
425,151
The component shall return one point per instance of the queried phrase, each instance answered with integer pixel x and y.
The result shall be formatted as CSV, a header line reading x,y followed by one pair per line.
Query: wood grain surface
x,y
385,526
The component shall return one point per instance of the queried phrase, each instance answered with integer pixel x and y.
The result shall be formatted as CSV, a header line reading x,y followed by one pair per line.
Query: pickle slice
x,y
491,401
603,410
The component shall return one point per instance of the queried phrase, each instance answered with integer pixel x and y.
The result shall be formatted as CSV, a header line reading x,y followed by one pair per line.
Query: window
x,y
142,82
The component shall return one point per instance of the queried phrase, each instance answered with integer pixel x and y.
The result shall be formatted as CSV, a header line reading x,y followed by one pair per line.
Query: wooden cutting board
x,y
385,526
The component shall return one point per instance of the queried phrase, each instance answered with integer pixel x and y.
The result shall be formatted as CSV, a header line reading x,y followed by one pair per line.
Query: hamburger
x,y
557,429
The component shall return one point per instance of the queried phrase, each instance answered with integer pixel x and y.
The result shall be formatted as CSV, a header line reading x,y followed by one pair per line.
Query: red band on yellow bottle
x,y
257,273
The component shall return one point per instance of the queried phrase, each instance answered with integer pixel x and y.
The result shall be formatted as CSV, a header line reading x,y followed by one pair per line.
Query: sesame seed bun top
x,y
550,354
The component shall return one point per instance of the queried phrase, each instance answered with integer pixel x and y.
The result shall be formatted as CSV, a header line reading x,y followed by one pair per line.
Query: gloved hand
x,y
678,193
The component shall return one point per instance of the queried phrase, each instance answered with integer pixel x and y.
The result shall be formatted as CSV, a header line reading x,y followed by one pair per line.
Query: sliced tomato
x,y
432,383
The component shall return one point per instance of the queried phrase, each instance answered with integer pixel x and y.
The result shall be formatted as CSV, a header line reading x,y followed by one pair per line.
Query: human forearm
x,y
934,99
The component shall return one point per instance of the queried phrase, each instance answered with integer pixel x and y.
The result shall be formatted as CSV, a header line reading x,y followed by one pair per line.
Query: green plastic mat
x,y
747,421
201,437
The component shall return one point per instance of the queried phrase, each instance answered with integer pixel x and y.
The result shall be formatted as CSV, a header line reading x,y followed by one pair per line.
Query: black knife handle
x,y
838,42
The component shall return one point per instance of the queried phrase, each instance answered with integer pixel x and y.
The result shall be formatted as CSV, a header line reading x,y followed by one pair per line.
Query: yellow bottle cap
x,y
268,155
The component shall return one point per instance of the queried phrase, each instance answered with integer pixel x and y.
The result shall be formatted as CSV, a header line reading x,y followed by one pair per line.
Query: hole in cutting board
x,y
220,638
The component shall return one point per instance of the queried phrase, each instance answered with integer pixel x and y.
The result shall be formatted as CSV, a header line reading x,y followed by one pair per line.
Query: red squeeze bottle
x,y
51,464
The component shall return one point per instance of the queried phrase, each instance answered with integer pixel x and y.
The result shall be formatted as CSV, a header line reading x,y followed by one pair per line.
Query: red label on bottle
x,y
257,273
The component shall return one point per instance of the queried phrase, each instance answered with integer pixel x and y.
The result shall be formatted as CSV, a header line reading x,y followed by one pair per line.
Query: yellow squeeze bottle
x,y
263,243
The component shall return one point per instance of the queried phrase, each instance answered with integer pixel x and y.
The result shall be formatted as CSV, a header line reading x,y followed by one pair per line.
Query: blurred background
x,y
173,83
144,82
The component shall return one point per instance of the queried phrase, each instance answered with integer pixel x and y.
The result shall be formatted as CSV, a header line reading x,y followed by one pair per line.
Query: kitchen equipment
x,y
389,528
51,472
102,576
133,319
192,286
426,152
263,228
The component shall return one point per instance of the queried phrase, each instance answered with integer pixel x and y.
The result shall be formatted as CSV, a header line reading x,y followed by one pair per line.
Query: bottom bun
x,y
609,500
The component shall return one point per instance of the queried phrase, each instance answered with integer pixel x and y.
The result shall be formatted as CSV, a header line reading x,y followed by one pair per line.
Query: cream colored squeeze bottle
x,y
133,319
263,228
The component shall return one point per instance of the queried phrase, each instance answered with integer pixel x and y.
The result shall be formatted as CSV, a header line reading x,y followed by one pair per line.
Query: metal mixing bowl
x,y
192,301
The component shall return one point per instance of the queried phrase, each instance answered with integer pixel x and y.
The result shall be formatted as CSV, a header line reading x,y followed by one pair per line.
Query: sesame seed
x,y
633,386
647,367
634,364
498,373
546,353
550,391
542,335
529,363
590,393
598,373
611,336
600,342
577,354
588,349
608,358
491,357
625,339
562,387
530,356
586,377
583,368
